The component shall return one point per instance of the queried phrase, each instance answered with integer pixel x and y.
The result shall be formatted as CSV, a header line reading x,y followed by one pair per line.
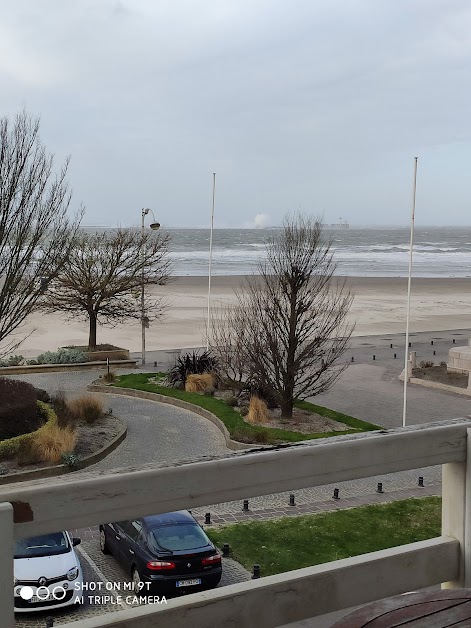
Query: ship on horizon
x,y
339,225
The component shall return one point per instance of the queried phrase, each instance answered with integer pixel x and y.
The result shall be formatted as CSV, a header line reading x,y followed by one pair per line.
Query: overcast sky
x,y
301,104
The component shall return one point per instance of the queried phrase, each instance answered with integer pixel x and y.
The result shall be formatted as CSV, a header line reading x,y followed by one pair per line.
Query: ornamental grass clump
x,y
52,442
199,383
87,408
258,411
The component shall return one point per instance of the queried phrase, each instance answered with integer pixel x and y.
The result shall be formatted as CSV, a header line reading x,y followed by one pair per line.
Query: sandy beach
x,y
379,307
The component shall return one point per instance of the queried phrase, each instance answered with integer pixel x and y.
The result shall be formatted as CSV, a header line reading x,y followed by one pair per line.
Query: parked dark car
x,y
170,551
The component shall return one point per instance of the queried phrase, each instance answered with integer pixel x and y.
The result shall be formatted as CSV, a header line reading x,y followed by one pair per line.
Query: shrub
x,y
65,417
86,408
19,412
443,364
42,395
209,391
425,364
192,364
261,391
198,383
231,401
32,362
51,442
258,411
70,459
10,447
262,437
62,356
110,377
244,410
12,360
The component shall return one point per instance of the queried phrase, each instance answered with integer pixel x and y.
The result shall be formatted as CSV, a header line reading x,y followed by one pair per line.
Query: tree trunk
x,y
92,334
287,408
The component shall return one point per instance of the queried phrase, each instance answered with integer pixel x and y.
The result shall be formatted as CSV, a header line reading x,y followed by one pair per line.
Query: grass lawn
x,y
237,427
296,542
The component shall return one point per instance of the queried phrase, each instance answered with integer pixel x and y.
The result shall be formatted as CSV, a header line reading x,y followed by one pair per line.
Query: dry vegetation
x,y
199,383
258,411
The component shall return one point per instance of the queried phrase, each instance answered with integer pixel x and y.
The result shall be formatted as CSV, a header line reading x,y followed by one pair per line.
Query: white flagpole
x,y
208,324
406,364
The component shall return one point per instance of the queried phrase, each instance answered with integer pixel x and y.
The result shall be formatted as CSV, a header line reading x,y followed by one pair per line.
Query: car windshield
x,y
184,536
45,545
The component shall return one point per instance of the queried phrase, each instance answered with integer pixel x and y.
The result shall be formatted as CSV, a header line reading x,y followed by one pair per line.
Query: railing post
x,y
456,513
6,565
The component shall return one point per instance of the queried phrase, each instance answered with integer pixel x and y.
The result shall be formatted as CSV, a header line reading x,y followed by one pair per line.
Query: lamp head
x,y
154,226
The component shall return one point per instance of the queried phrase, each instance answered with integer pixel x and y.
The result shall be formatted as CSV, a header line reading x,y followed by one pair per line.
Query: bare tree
x,y
292,316
103,275
35,233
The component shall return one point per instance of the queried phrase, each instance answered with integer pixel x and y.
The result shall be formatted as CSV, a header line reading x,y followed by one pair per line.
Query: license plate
x,y
36,599
188,583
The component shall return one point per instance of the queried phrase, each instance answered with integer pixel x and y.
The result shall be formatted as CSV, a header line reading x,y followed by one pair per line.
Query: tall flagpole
x,y
208,324
406,365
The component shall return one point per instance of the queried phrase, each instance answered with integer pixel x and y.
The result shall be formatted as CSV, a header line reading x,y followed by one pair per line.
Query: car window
x,y
184,536
44,545
132,529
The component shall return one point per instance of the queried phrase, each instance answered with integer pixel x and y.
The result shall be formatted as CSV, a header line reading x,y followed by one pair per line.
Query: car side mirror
x,y
76,541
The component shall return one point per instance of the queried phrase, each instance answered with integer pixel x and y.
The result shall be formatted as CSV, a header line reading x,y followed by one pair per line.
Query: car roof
x,y
167,518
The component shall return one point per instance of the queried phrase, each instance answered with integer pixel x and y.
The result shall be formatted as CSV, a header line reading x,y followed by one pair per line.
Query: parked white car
x,y
47,572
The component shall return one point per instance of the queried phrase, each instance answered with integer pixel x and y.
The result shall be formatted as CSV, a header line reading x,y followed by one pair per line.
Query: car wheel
x,y
136,581
103,544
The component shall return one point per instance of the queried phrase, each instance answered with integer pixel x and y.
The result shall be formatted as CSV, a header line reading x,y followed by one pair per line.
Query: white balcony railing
x,y
75,501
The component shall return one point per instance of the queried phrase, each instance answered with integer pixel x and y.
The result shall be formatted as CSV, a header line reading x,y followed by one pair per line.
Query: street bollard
x,y
353,359
390,346
336,494
291,500
395,355
380,488
421,481
256,572
226,549
410,344
207,519
374,357
431,342
245,506
454,341
155,364
434,353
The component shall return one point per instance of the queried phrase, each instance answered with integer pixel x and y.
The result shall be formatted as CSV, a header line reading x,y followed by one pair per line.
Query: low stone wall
x,y
80,366
116,354
142,394
459,359
60,469
437,385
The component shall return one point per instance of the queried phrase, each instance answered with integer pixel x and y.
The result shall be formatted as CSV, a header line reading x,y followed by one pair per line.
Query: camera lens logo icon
x,y
42,594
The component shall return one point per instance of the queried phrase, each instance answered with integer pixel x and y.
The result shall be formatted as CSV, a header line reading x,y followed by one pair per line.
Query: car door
x,y
130,547
118,540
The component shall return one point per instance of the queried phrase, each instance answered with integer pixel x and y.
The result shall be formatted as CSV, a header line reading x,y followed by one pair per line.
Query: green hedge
x,y
236,426
10,446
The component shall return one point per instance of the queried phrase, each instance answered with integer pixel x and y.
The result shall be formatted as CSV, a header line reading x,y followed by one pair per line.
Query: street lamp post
x,y
154,226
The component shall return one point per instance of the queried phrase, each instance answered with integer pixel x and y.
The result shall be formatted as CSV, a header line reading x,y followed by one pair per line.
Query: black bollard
x,y
374,357
434,353
336,494
431,342
207,519
421,481
245,506
155,364
291,500
454,341
256,572
395,355
380,488
410,344
353,359
226,549
390,346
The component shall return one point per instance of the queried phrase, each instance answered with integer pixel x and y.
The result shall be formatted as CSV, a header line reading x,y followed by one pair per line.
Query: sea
x,y
359,252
